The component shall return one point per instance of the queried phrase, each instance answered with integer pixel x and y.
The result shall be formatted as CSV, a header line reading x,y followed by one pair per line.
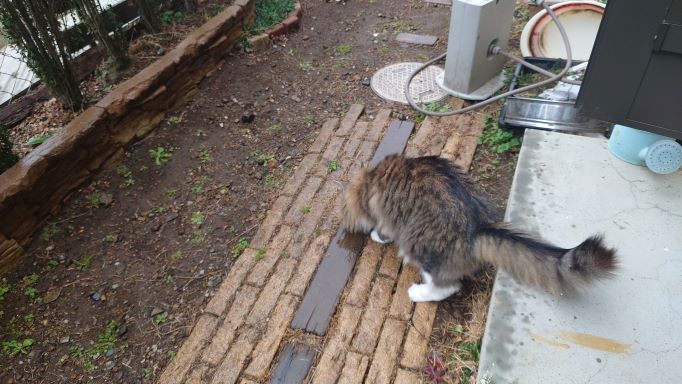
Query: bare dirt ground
x,y
112,284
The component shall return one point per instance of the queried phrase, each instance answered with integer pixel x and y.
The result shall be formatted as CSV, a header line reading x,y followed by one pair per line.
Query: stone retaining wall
x,y
34,188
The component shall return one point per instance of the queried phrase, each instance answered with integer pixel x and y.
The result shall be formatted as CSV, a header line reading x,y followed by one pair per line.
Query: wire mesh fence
x,y
16,78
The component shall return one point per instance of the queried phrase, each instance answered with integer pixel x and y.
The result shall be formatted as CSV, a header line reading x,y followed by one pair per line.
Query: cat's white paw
x,y
418,292
374,235
429,292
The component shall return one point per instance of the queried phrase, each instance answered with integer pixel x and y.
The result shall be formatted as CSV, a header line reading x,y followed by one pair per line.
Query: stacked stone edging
x,y
34,188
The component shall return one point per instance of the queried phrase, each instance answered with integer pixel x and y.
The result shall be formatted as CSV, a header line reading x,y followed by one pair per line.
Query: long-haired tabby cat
x,y
444,226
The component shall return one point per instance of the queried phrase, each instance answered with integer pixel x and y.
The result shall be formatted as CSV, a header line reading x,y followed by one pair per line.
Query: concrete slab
x,y
624,330
412,38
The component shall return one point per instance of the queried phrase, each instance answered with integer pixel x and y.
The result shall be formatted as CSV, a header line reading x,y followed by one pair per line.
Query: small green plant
x,y
433,107
15,347
96,198
159,210
197,218
332,166
32,293
317,232
269,13
240,247
36,141
198,187
276,127
143,168
5,287
269,180
48,232
160,318
105,342
170,17
383,49
309,119
29,318
177,255
174,120
306,210
30,280
205,155
171,192
7,157
127,176
168,279
261,158
161,155
111,238
470,350
197,237
84,263
200,133
498,139
344,49
260,254
146,373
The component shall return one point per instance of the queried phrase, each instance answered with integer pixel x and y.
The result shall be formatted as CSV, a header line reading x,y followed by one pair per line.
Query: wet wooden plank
x,y
294,363
319,303
412,38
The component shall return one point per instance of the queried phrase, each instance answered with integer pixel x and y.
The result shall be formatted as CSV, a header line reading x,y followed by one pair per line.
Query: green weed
x,y
170,17
276,127
5,287
343,49
127,176
205,155
498,139
332,166
261,158
260,254
161,155
83,263
15,347
269,13
240,247
160,318
433,107
111,238
171,192
197,218
49,231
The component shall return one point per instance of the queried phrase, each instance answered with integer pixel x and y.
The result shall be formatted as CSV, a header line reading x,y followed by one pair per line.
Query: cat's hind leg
x,y
428,291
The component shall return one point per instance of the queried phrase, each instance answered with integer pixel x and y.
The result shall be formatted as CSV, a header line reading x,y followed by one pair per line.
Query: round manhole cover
x,y
389,83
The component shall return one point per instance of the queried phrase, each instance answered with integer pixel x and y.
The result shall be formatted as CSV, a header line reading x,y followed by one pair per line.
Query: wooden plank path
x,y
319,305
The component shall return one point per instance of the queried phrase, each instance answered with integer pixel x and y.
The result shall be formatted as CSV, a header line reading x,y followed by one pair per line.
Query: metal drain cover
x,y
389,83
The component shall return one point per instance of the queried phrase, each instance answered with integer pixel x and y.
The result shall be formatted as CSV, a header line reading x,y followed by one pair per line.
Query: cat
x,y
442,224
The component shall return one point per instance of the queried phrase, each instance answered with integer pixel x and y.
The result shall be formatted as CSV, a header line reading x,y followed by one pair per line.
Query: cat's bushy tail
x,y
541,264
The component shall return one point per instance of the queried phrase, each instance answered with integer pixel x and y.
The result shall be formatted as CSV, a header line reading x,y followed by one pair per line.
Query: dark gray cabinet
x,y
635,73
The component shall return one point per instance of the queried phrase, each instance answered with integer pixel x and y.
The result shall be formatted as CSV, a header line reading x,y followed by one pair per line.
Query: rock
x,y
52,294
366,81
114,286
156,311
272,163
106,198
155,225
248,117
121,330
168,217
96,296
64,340
214,281
109,352
344,72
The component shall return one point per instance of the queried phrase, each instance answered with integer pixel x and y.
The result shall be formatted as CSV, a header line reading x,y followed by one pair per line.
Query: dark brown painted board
x,y
394,141
294,363
320,300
